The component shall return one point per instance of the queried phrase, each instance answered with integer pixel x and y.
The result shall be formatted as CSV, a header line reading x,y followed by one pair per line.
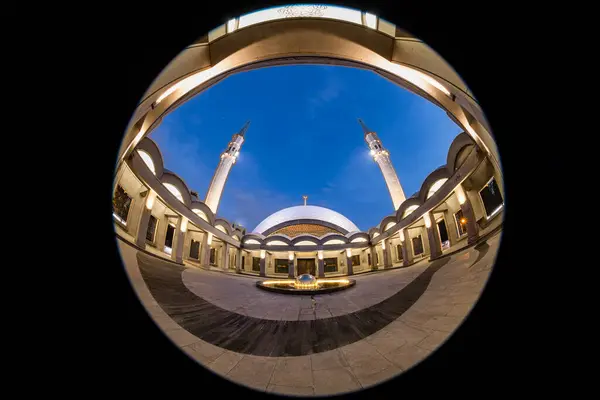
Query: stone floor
x,y
339,342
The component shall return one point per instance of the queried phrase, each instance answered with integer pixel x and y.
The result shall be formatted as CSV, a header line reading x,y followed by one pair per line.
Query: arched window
x,y
436,186
174,190
147,160
409,210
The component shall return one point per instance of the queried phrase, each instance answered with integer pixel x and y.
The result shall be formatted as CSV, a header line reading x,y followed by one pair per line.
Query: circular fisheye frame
x,y
358,281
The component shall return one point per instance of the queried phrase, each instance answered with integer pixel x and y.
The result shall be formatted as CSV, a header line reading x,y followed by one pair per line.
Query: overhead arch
x,y
149,147
204,209
385,221
225,224
461,141
333,237
406,205
283,240
437,175
171,178
309,238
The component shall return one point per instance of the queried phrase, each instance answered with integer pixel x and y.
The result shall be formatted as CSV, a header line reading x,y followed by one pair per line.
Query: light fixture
x,y
119,219
460,193
262,254
427,220
150,199
372,152
184,224
495,211
402,235
348,252
320,254
209,238
291,255
383,244
463,220
370,20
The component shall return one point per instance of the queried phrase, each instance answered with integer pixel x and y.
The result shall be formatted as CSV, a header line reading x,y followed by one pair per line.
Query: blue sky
x,y
304,138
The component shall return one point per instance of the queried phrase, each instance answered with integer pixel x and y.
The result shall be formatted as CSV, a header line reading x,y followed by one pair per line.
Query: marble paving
x,y
305,346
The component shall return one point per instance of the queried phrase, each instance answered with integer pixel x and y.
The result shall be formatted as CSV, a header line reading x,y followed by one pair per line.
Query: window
x,y
169,236
255,263
461,223
417,245
121,204
330,264
399,251
491,198
151,231
356,260
281,266
195,249
369,258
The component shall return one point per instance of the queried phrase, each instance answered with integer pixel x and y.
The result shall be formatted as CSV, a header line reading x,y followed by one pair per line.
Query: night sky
x,y
304,138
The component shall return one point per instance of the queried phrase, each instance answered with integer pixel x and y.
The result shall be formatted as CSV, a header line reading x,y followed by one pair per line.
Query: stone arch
x,y
301,238
253,236
333,236
281,238
385,221
461,141
205,209
173,179
439,173
374,231
357,235
411,201
149,146
225,224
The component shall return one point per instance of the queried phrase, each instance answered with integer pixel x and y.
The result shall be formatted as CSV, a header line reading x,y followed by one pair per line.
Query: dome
x,y
313,213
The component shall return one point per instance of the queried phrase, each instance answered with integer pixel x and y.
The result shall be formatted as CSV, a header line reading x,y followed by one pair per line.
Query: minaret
x,y
228,158
382,158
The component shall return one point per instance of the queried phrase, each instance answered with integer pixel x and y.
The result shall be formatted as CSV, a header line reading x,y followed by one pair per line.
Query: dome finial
x,y
305,197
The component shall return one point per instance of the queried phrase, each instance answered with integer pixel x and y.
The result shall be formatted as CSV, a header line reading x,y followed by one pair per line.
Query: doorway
x,y
169,236
443,234
307,266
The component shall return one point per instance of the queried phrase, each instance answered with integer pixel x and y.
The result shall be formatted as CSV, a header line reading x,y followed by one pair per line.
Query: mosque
x,y
457,203
418,272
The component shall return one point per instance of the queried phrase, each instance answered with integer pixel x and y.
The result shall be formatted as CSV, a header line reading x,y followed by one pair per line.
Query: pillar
x,y
349,261
291,271
178,240
433,236
321,265
468,214
238,261
205,249
407,250
451,227
387,255
226,260
373,251
263,263
140,239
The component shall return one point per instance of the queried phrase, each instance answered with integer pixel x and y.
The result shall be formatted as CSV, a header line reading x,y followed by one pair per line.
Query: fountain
x,y
305,284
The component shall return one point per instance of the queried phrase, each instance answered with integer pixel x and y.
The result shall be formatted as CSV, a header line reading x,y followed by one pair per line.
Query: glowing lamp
x,y
291,255
184,223
460,193
348,252
427,220
320,254
383,244
402,235
150,199
372,152
209,238
262,254
463,220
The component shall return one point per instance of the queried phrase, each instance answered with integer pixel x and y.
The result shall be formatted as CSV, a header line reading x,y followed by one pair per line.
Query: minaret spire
x,y
228,158
305,197
382,158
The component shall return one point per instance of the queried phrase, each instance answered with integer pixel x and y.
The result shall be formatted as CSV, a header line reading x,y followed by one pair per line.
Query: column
x,y
205,249
373,253
142,226
321,266
468,214
178,239
349,261
226,247
451,227
407,250
238,261
386,246
433,236
263,268
291,271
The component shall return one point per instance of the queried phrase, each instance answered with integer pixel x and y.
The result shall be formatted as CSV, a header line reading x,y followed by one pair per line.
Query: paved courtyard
x,y
327,344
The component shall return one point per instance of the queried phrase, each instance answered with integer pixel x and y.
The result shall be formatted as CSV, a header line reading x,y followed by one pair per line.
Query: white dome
x,y
306,212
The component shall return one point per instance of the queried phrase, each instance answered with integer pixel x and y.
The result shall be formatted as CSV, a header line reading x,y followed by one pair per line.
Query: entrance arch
x,y
289,38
